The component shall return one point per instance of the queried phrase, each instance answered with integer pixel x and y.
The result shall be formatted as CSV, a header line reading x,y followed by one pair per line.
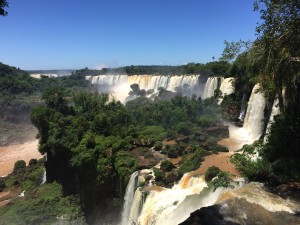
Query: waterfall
x,y
248,204
128,198
119,85
44,177
160,204
226,87
137,204
210,87
275,111
253,122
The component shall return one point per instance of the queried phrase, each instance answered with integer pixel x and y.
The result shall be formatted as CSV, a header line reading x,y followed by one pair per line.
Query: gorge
x,y
158,205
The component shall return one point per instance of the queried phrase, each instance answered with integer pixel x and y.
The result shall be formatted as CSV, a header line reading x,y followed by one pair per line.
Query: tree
x,y
276,52
20,164
233,49
3,4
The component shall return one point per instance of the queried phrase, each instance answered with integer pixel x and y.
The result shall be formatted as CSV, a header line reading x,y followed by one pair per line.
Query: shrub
x,y
222,180
159,175
2,184
191,162
205,120
211,173
172,151
257,169
32,162
20,164
166,165
215,148
158,146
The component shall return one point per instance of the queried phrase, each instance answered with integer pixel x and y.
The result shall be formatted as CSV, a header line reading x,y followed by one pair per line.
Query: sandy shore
x,y
12,153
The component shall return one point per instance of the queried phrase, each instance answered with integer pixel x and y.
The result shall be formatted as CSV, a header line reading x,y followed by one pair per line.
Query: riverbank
x,y
14,152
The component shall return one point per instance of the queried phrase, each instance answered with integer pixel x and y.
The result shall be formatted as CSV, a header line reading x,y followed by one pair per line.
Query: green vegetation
x,y
211,68
41,204
20,164
3,4
86,133
211,173
272,60
191,162
19,93
166,165
222,180
250,164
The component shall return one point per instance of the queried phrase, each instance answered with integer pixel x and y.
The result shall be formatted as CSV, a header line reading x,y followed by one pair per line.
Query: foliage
x,y
232,49
172,151
87,133
211,173
250,164
19,165
166,165
43,205
125,164
3,4
210,68
2,184
15,81
222,180
191,162
276,50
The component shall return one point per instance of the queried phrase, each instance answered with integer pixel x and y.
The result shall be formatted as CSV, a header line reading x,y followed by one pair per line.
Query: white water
x,y
44,177
253,122
254,193
148,82
275,111
159,205
128,198
119,85
137,205
210,87
226,87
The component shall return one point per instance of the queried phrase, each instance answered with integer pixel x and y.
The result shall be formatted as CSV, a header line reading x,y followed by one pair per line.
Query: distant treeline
x,y
59,72
210,69
14,81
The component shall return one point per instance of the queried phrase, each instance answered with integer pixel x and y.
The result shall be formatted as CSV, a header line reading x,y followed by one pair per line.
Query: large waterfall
x,y
254,119
119,85
148,82
226,87
210,87
132,184
161,206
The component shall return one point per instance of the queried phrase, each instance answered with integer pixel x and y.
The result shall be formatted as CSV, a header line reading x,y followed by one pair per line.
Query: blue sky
x,y
72,34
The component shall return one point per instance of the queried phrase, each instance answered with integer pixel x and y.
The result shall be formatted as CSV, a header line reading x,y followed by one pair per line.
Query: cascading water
x,y
160,204
210,87
247,204
119,85
253,122
275,111
129,195
44,177
226,87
